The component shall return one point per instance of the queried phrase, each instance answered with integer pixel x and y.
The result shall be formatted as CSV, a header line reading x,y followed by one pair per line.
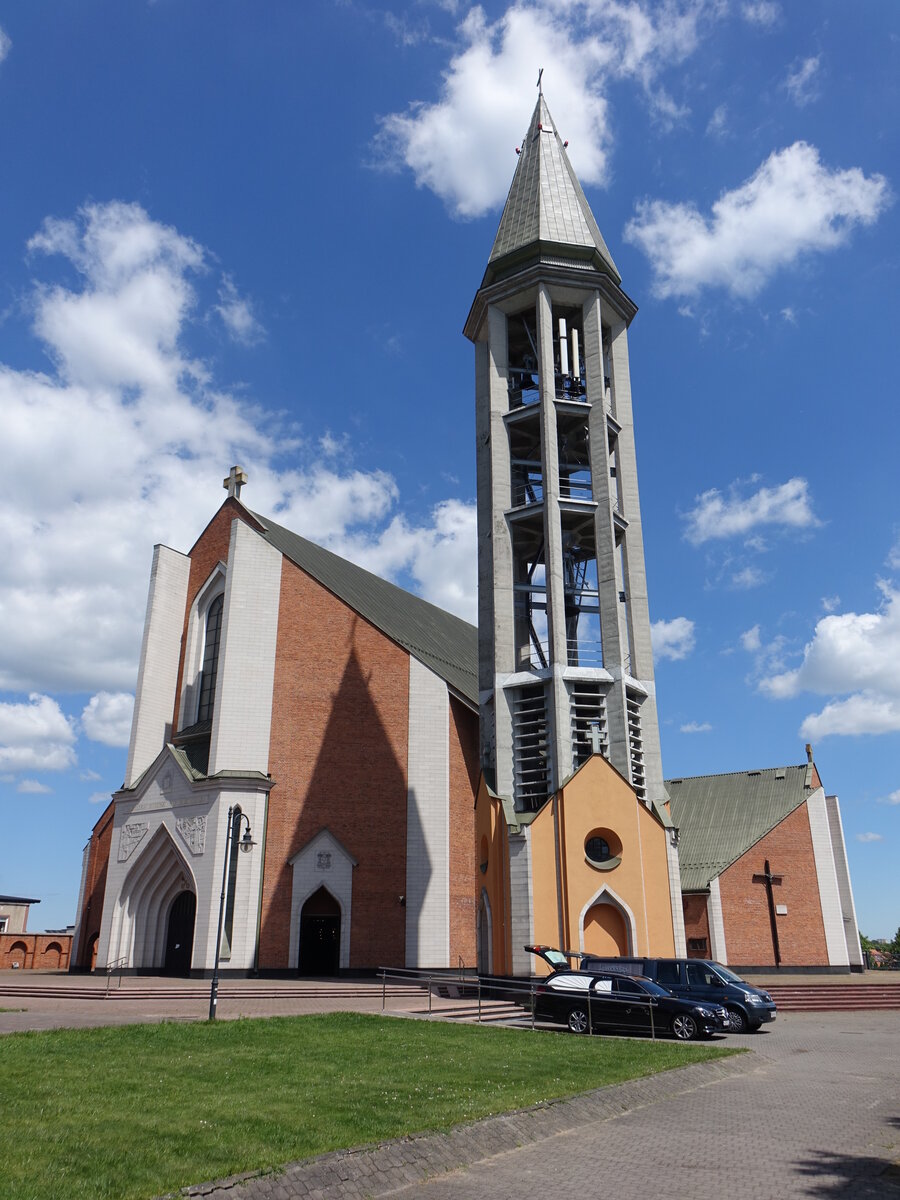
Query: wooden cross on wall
x,y
768,879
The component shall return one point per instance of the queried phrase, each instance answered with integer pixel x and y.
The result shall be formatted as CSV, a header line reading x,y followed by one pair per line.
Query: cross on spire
x,y
540,75
234,481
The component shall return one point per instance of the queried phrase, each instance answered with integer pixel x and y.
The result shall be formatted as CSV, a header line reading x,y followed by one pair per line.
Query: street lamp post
x,y
246,844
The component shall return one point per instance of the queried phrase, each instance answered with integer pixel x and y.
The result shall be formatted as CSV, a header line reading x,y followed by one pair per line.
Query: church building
x,y
412,791
334,712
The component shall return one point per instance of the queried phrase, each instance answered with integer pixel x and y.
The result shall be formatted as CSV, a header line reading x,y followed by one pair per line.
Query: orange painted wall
x,y
492,854
598,798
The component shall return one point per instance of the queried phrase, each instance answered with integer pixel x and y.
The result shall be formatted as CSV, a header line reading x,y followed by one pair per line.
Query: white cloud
x,y
715,516
99,798
106,718
35,736
89,776
696,727
891,798
5,44
855,655
893,557
869,837
31,787
126,443
802,82
792,205
789,315
761,12
238,316
748,577
751,640
461,146
673,639
717,125
830,603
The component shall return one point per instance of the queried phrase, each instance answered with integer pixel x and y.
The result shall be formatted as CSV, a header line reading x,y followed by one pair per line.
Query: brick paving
x,y
814,1110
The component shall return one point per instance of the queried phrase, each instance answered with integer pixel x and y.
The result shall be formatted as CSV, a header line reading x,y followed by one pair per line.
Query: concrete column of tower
x,y
604,485
495,564
557,696
634,579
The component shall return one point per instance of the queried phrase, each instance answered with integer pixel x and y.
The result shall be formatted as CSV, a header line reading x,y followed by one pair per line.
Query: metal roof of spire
x,y
546,202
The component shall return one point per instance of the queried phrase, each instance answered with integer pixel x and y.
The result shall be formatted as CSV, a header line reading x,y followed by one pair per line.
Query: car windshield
x,y
728,976
653,988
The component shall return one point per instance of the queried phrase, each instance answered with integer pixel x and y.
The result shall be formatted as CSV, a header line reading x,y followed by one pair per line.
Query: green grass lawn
x,y
144,1109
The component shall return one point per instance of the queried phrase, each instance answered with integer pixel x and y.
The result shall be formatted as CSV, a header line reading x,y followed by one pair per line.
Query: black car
x,y
589,1002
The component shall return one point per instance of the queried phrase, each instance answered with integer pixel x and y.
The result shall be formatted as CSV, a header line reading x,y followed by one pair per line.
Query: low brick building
x,y
21,950
764,873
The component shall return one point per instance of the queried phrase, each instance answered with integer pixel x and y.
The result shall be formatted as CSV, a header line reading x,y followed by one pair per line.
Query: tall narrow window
x,y
210,659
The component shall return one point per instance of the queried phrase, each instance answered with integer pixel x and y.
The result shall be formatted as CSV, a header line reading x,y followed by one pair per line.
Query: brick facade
x,y
94,889
801,933
464,888
209,549
338,755
696,924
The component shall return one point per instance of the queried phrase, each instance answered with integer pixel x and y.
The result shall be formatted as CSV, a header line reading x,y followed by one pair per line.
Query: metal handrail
x,y
119,965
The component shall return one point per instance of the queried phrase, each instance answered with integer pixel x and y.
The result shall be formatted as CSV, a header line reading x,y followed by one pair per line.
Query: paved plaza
x,y
812,1111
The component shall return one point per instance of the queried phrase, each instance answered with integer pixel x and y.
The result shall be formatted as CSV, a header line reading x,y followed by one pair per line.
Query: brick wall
x,y
338,755
801,933
464,887
35,951
95,887
209,549
696,923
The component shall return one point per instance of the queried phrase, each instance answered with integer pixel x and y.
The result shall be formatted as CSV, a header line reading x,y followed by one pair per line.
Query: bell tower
x,y
565,662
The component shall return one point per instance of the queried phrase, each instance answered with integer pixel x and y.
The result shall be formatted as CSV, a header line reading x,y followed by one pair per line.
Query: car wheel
x,y
684,1027
737,1022
578,1020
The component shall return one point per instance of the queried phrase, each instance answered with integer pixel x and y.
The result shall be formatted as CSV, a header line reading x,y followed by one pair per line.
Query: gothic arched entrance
x,y
180,934
604,931
320,935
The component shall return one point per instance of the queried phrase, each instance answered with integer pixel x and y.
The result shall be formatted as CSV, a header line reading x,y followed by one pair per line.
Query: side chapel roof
x,y
720,817
442,642
546,203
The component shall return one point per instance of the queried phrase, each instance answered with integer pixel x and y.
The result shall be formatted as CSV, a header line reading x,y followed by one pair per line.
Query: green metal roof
x,y
546,203
445,644
721,816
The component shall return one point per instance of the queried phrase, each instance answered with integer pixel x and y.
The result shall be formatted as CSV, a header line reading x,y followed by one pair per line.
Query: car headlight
x,y
704,1012
752,998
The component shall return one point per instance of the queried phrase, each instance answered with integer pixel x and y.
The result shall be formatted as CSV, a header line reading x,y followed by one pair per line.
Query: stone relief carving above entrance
x,y
130,838
193,830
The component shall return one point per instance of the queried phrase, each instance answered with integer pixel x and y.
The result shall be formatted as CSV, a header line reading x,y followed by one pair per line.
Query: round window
x,y
603,849
597,849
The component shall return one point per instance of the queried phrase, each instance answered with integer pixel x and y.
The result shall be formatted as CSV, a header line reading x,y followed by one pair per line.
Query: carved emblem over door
x,y
130,838
193,830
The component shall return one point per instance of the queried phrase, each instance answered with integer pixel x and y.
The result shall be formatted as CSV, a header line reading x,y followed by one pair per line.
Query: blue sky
x,y
233,232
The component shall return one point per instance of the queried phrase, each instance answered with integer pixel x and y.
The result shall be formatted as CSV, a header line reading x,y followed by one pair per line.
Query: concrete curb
x,y
372,1171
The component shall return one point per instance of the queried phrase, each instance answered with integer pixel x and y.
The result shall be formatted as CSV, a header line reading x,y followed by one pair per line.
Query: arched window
x,y
210,659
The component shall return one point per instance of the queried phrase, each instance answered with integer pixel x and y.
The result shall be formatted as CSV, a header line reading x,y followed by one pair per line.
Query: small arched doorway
x,y
485,948
180,934
52,956
605,932
92,949
320,935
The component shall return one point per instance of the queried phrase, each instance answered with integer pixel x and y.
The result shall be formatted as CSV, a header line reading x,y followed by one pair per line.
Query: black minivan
x,y
700,980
